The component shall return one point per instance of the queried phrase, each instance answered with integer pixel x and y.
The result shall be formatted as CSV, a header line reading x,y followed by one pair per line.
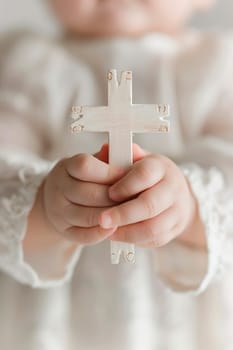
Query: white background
x,y
33,14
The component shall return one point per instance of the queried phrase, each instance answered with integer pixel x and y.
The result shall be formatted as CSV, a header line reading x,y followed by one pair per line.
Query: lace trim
x,y
22,186
208,187
225,210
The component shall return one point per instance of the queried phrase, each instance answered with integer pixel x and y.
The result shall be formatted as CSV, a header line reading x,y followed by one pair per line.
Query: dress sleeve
x,y
207,162
27,134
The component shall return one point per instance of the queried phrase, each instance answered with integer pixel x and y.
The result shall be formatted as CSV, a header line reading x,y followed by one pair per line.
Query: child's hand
x,y
158,203
75,193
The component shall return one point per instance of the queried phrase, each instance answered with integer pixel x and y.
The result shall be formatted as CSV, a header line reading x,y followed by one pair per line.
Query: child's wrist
x,y
40,233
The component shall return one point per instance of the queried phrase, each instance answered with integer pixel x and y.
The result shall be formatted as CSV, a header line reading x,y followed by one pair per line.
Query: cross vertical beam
x,y
122,139
120,119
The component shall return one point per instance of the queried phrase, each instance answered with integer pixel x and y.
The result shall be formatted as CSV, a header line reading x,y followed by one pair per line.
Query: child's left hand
x,y
157,202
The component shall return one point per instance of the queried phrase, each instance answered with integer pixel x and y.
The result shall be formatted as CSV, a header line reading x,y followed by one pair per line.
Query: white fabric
x,y
105,306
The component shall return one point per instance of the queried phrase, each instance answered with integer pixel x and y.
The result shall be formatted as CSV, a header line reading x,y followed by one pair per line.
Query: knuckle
x,y
146,170
158,236
167,168
91,218
93,195
149,205
169,200
168,193
68,190
68,214
83,163
175,190
160,240
123,190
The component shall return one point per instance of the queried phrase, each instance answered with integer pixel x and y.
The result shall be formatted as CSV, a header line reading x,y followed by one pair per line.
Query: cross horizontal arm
x,y
149,118
135,118
91,119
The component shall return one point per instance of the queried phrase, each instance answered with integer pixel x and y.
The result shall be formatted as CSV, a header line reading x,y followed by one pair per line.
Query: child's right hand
x,y
73,195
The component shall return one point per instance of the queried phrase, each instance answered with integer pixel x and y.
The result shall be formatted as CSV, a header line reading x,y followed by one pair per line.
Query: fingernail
x,y
106,221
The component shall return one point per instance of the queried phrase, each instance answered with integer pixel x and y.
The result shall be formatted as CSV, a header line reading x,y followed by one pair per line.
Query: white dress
x,y
173,298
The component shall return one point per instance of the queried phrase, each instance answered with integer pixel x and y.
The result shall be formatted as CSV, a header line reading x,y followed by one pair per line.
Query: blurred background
x,y
33,14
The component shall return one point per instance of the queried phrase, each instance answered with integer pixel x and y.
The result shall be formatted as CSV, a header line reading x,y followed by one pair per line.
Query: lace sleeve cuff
x,y
187,269
20,176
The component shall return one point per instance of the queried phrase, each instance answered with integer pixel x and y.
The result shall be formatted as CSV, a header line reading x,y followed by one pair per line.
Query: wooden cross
x,y
121,119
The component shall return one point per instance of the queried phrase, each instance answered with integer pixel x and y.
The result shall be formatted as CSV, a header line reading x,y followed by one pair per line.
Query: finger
x,y
86,167
103,153
147,205
159,230
77,215
88,236
138,153
144,174
86,193
163,240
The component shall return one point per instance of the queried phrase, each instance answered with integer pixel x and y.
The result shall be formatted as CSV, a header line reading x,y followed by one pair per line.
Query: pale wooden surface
x,y
121,118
